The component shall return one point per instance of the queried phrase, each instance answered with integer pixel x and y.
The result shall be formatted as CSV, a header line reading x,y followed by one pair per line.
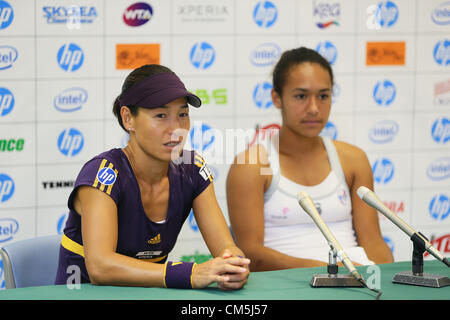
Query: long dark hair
x,y
294,57
134,77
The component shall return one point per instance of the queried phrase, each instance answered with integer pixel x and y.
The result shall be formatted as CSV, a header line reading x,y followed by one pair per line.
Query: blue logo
x,y
439,207
61,223
441,52
328,50
384,93
330,130
265,14
386,14
192,222
70,100
6,187
2,279
70,57
202,55
202,137
389,242
441,14
265,54
383,131
262,95
106,176
72,14
8,228
6,14
440,131
439,169
70,142
383,170
8,55
6,101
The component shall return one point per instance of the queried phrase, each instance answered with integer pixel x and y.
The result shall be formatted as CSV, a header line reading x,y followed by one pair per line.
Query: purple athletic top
x,y
138,236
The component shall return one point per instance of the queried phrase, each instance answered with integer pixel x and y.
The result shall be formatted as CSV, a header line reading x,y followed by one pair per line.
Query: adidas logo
x,y
155,240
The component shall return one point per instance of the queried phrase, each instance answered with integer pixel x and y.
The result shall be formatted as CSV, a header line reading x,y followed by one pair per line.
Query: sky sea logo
x,y
386,14
8,228
7,187
265,54
70,57
440,130
383,131
441,52
326,14
137,14
328,50
70,14
201,137
262,95
439,207
440,15
439,169
265,14
70,100
8,55
6,14
383,170
202,55
70,142
384,92
6,101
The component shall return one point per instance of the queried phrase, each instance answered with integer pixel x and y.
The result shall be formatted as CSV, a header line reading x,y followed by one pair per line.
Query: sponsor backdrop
x,y
62,64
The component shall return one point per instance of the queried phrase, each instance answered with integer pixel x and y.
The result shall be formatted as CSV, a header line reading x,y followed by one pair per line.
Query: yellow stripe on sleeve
x,y
72,246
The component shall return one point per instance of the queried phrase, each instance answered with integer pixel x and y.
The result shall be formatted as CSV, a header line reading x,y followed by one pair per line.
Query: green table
x,y
291,284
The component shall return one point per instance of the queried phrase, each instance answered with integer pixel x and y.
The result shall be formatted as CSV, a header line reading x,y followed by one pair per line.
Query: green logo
x,y
197,257
11,144
216,96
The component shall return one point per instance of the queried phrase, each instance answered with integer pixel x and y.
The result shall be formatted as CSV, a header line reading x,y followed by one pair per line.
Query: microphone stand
x,y
417,277
333,278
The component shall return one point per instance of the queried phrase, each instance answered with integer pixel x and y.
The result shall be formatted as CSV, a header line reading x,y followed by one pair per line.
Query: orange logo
x,y
132,56
385,53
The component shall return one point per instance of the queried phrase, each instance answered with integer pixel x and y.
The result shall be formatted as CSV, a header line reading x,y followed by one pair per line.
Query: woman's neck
x,y
293,144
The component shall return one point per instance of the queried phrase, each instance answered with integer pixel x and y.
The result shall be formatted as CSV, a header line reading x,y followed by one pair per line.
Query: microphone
x,y
307,204
372,200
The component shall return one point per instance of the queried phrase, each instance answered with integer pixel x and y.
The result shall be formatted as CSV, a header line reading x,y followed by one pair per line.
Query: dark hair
x,y
294,57
133,78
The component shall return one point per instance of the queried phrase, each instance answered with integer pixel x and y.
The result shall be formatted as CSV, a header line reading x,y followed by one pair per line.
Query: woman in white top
x,y
266,219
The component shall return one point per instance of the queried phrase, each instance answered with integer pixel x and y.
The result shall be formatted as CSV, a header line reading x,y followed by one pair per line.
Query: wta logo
x,y
138,14
383,170
70,57
70,142
439,207
202,55
262,95
265,14
6,187
440,131
384,93
6,101
6,14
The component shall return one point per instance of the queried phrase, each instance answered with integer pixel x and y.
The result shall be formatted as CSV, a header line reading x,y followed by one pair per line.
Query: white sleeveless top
x,y
290,230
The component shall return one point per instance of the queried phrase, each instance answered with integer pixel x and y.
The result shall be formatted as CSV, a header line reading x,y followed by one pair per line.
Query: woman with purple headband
x,y
128,205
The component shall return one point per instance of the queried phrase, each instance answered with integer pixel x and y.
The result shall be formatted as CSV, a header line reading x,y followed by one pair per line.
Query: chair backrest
x,y
31,262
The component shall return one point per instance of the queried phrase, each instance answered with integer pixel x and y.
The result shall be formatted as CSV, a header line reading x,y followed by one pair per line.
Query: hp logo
x,y
70,142
383,170
330,130
441,52
6,187
202,55
202,137
192,222
440,131
262,96
328,50
386,14
265,14
61,223
384,93
106,176
70,57
439,207
6,14
389,242
6,101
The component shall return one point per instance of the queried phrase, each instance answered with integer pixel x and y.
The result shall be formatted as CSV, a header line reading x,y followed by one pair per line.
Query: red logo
x,y
442,244
264,133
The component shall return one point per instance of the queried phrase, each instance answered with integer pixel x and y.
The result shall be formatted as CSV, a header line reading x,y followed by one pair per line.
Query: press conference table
x,y
291,284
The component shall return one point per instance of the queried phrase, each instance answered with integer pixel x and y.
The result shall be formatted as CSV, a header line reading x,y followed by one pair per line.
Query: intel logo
x,y
439,169
8,228
8,55
383,131
265,54
70,100
441,14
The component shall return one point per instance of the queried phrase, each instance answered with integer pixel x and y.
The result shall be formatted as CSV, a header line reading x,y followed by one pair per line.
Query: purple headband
x,y
156,91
